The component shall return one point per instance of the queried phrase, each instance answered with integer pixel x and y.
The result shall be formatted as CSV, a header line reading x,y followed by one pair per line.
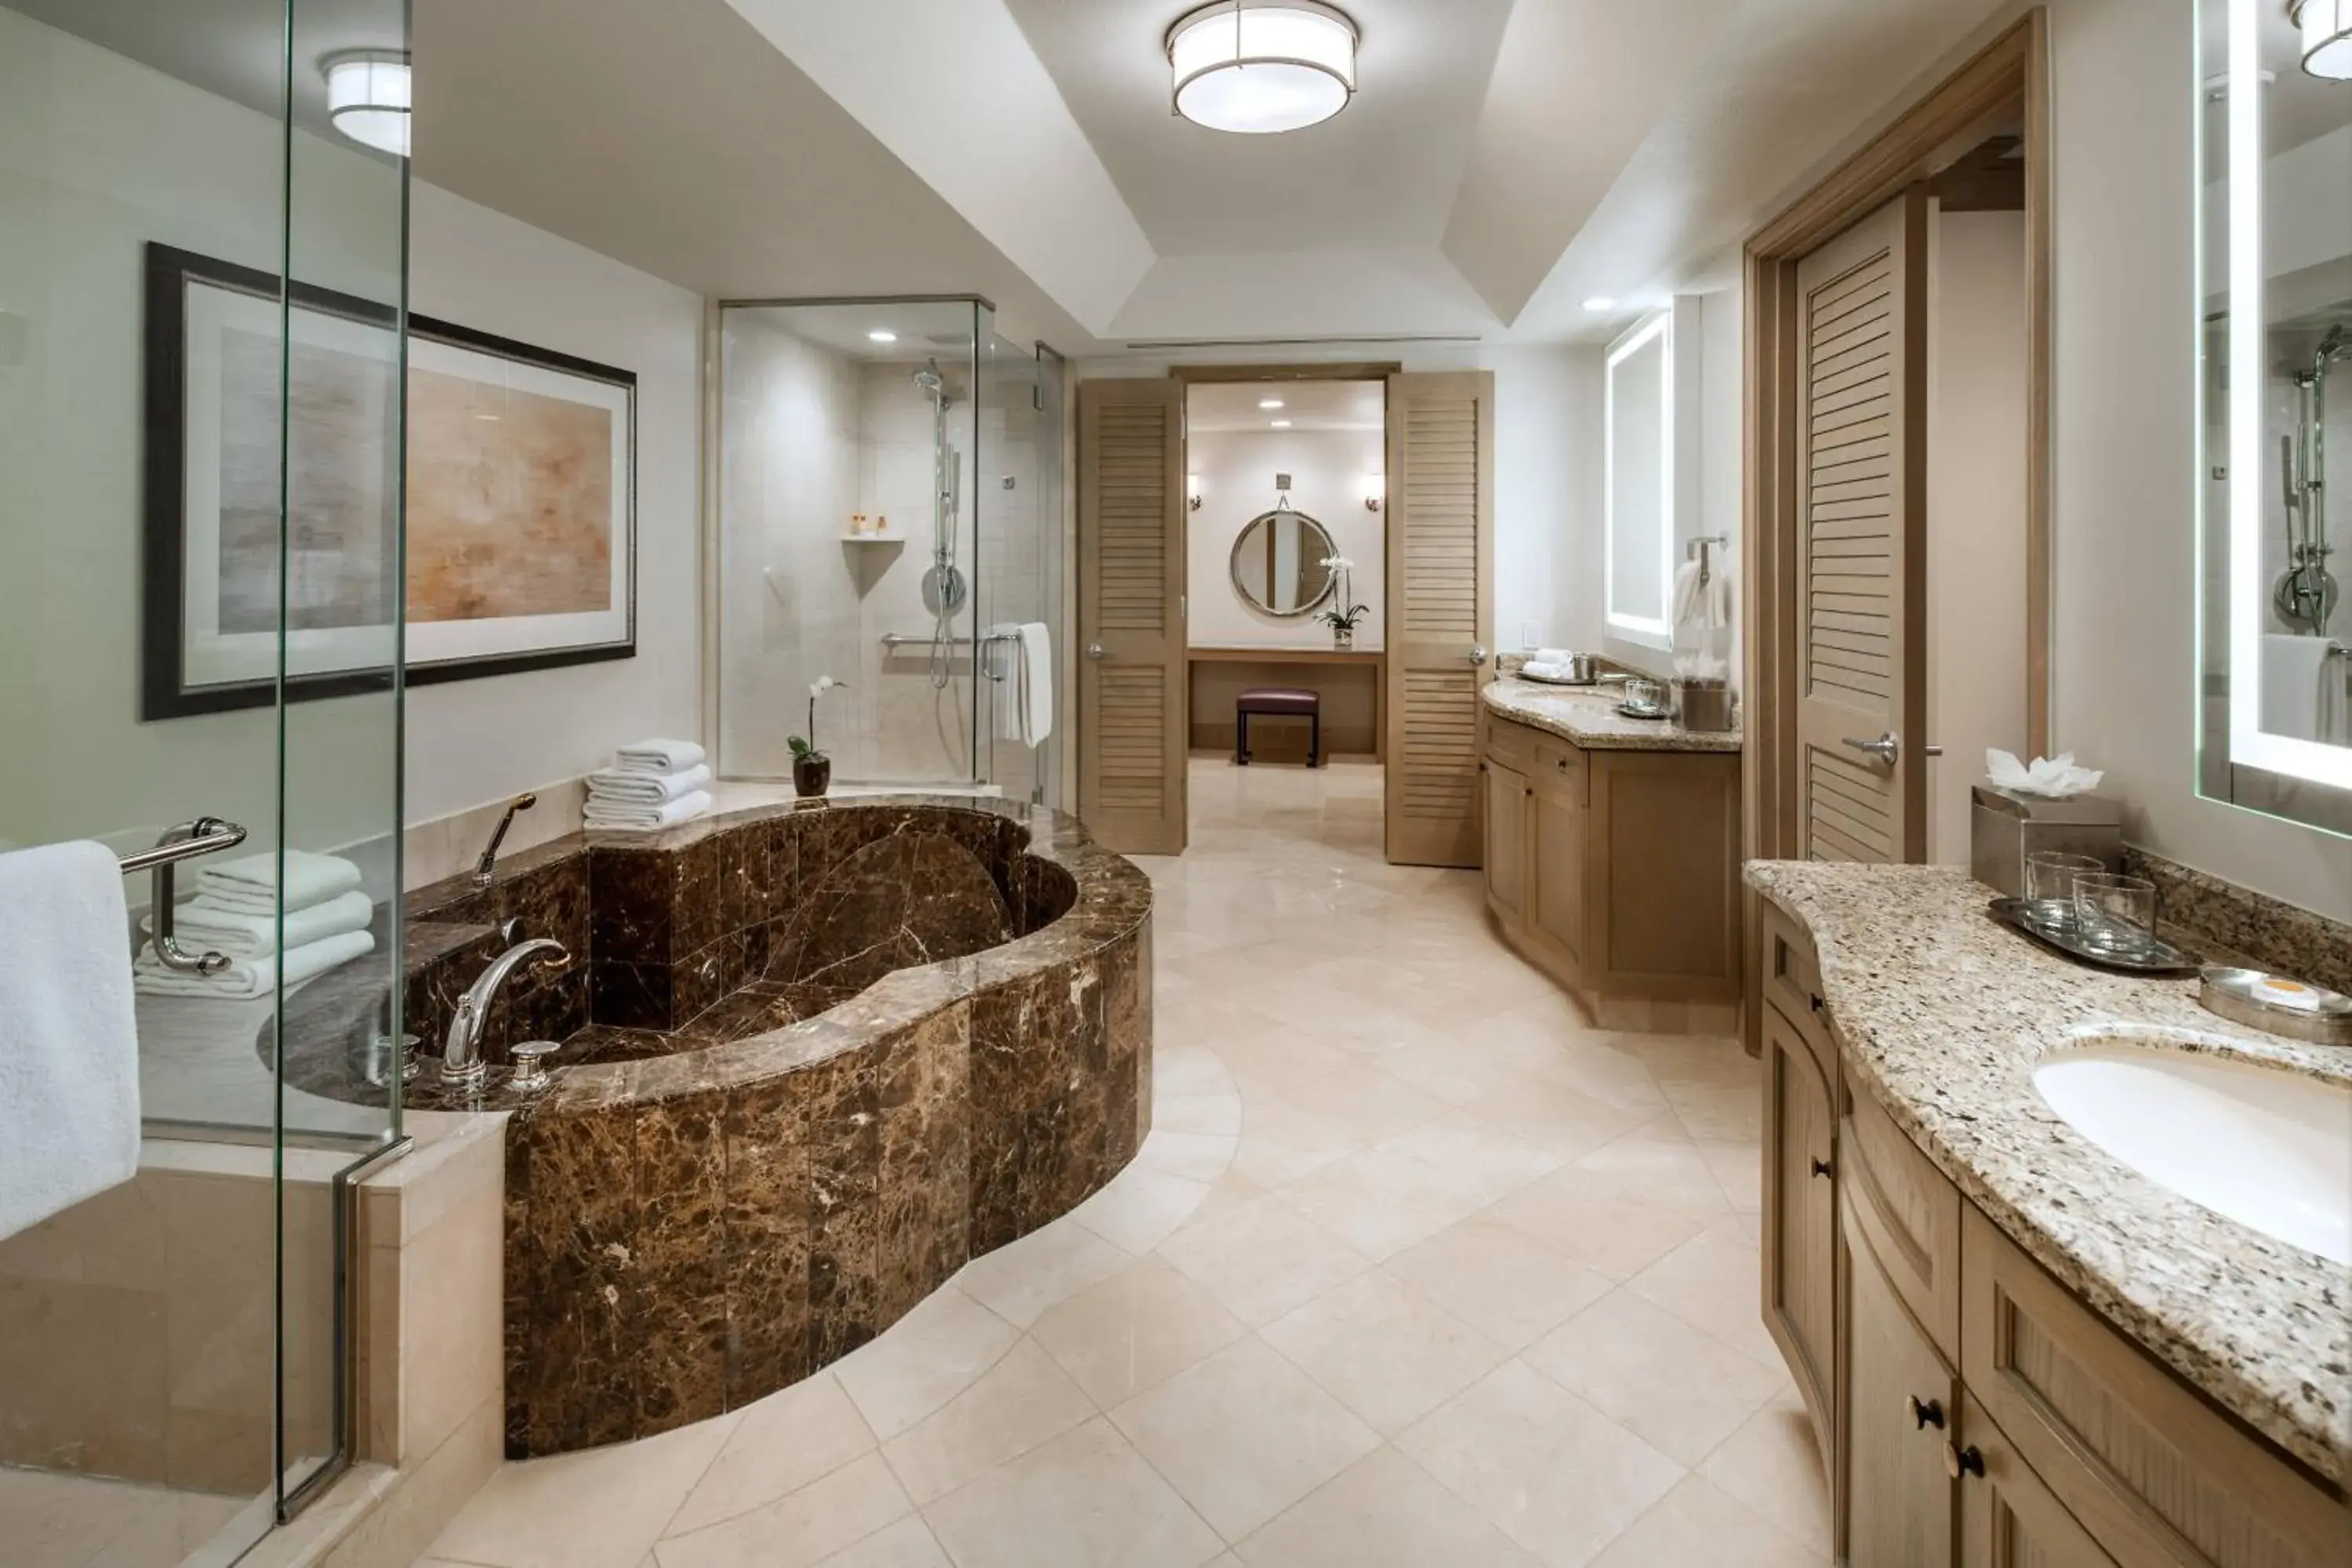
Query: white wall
x,y
1976,510
1236,468
474,740
2126,451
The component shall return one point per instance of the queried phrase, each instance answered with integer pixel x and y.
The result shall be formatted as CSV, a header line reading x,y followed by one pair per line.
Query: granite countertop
x,y
1590,720
1941,1016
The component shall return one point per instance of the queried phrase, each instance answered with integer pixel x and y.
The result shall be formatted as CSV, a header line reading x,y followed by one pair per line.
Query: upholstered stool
x,y
1278,702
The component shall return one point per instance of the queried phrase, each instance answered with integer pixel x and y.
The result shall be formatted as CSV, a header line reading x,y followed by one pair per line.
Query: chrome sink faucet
x,y
485,867
462,1067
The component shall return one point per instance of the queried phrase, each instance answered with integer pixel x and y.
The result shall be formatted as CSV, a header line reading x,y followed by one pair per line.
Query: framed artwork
x,y
519,486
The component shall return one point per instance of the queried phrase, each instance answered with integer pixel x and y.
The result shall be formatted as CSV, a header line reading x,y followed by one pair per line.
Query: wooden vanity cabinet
x,y
1800,1250
1900,1404
1506,841
1617,873
2064,1444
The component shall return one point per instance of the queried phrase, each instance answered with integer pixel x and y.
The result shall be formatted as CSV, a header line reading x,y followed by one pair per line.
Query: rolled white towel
x,y
249,882
253,976
658,756
630,816
240,933
650,789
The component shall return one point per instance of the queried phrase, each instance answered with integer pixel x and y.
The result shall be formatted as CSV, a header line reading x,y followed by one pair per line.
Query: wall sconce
x,y
1376,491
1192,491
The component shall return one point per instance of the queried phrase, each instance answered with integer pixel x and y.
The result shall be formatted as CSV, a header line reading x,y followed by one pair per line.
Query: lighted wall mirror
x,y
1649,448
1278,562
2276,387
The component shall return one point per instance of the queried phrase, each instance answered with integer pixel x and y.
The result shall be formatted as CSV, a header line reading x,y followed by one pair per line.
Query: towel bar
x,y
205,836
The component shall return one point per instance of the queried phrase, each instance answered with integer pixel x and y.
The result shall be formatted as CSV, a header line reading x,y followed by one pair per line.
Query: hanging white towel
x,y
651,789
68,1032
1024,709
255,974
645,815
204,927
249,882
657,757
1687,594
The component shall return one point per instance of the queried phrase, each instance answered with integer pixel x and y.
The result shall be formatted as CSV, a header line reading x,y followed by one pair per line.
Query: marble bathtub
x,y
814,1060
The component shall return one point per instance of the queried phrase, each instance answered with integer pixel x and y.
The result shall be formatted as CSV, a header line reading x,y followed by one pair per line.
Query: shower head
x,y
932,383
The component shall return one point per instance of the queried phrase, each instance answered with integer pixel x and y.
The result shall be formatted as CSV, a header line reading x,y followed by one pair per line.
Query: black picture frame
x,y
165,689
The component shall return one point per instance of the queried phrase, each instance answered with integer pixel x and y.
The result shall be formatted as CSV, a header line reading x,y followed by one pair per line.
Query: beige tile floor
x,y
53,1519
1414,1270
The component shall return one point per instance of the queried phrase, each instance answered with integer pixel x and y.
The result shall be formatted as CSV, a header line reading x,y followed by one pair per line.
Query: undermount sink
x,y
2266,1147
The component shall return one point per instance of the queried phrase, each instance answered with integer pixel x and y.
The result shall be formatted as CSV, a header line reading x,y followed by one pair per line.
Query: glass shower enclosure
x,y
202,292
889,505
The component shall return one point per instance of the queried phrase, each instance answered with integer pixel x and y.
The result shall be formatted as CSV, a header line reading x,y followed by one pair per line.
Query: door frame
x,y
2005,80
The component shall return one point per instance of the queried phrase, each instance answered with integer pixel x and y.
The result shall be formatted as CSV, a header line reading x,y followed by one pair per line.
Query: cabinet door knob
x,y
1959,1461
1820,1167
1924,1413
1816,1002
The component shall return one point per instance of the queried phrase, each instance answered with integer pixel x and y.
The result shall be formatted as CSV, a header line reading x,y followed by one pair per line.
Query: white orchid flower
x,y
1338,563
824,684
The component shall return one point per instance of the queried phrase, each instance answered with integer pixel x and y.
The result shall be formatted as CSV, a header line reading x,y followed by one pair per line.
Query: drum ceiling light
x,y
2326,38
367,98
1261,69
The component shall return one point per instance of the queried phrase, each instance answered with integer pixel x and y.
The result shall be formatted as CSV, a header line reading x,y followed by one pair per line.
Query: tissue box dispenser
x,y
2005,828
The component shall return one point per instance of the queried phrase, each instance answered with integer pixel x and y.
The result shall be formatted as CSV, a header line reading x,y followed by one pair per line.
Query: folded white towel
x,y
652,789
204,926
630,816
1550,656
249,882
69,1033
1543,671
658,756
255,974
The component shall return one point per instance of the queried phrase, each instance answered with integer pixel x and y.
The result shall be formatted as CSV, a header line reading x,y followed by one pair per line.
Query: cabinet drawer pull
x,y
1924,1413
1816,1002
1959,1461
1820,1167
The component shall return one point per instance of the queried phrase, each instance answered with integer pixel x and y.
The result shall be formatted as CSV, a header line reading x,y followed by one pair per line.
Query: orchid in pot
x,y
1345,614
812,769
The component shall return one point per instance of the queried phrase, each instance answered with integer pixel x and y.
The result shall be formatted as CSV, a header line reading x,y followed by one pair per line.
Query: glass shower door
x,y
199,538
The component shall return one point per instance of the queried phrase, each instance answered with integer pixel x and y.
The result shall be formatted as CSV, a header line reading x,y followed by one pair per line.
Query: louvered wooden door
x,y
1132,721
1441,609
1861,361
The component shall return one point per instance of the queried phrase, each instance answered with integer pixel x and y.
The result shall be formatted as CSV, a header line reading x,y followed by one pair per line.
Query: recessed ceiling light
x,y
1258,69
1269,403
881,335
1282,424
367,98
1600,303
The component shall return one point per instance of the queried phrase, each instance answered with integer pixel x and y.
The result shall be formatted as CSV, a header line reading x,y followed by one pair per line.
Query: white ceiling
x,y
1379,176
1504,160
1233,406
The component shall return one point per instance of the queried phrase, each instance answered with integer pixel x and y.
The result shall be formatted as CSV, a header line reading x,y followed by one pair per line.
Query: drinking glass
x,y
2115,914
2049,882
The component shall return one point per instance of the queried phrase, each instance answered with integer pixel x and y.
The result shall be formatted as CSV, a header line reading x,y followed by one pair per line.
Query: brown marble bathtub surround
x,y
911,899
2280,937
695,1228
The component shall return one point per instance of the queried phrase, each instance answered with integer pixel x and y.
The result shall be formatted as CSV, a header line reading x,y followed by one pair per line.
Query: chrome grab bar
x,y
205,836
901,639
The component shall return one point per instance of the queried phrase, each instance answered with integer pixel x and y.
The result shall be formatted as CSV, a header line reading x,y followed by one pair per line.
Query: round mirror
x,y
1278,562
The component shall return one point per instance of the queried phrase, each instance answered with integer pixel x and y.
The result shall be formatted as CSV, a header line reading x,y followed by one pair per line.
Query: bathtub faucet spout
x,y
462,1067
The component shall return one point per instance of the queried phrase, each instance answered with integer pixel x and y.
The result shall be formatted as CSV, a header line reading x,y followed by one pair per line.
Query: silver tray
x,y
1627,710
2053,926
1548,680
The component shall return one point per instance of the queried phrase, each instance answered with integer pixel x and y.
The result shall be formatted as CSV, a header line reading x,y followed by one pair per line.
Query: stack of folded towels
x,y
1549,664
235,913
651,784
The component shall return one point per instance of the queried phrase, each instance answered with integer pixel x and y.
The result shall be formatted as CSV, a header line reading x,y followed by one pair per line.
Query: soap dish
x,y
2277,1005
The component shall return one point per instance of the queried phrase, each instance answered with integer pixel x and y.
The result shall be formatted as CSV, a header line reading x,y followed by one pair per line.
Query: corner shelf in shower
x,y
874,538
